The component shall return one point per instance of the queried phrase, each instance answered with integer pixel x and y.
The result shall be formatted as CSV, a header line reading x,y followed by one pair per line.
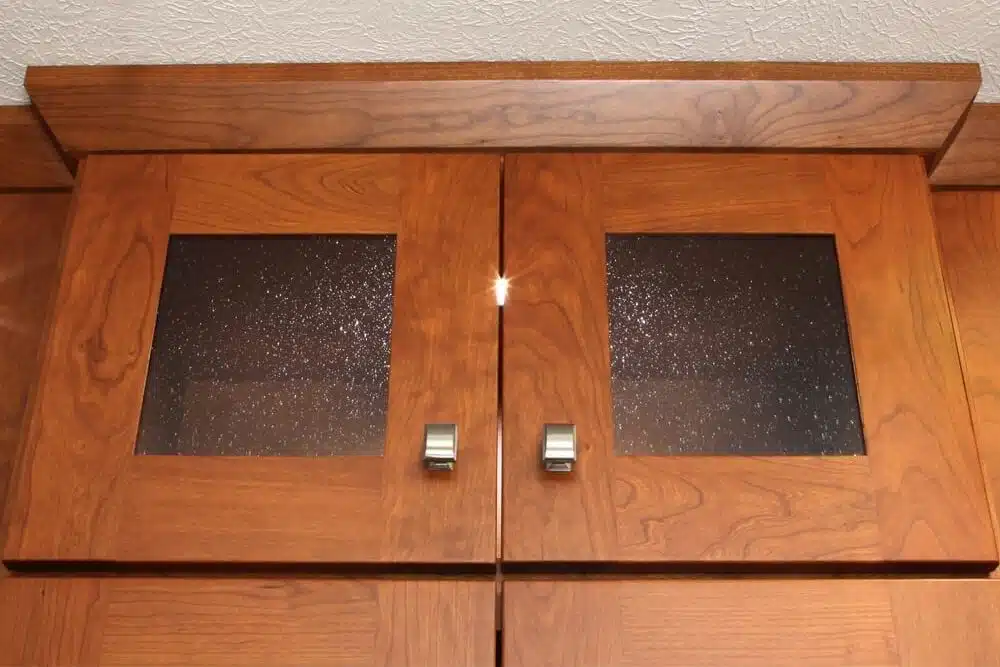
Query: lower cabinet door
x,y
246,622
766,623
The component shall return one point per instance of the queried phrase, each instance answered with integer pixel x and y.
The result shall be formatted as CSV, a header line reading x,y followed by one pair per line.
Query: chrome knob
x,y
559,447
440,446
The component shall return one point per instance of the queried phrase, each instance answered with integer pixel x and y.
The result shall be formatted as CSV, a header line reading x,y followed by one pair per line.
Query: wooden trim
x,y
28,160
496,71
785,106
974,158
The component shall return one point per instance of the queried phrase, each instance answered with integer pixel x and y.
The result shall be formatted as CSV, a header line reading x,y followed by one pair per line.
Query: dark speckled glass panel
x,y
271,346
730,345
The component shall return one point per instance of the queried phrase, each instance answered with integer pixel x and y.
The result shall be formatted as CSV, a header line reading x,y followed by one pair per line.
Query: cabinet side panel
x,y
968,225
31,230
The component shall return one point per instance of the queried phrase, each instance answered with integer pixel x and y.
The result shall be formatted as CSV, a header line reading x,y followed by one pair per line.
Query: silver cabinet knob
x,y
440,446
559,447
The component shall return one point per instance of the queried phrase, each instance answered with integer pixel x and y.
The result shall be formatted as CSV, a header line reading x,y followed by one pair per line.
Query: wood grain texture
x,y
758,198
84,495
737,623
29,160
973,159
437,623
931,494
734,509
753,623
905,107
919,495
31,230
296,510
559,623
518,70
556,367
287,194
445,359
51,623
968,227
85,415
222,622
947,622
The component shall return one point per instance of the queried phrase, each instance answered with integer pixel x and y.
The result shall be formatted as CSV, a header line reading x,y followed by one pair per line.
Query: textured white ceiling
x,y
209,31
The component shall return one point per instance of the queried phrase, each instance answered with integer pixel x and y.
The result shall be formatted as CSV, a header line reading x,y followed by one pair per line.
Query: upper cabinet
x,y
294,358
269,358
750,358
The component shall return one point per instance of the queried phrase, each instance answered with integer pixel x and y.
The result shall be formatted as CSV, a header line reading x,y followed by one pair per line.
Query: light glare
x,y
500,290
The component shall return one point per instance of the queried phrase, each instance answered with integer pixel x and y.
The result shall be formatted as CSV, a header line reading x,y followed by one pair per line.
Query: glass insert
x,y
730,345
271,346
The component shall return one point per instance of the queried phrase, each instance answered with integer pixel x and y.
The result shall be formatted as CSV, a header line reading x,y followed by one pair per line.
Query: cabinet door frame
x,y
82,494
918,494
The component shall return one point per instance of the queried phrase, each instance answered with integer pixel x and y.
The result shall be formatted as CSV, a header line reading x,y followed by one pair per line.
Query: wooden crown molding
x,y
973,160
779,106
28,160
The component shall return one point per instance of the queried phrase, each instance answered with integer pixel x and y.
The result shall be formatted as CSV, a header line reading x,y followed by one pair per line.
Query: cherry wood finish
x,y
752,623
31,229
947,622
29,160
82,494
918,495
899,107
969,230
973,159
219,622
285,194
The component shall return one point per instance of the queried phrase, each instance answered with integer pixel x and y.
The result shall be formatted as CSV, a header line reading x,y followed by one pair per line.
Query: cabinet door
x,y
136,622
756,353
244,356
752,623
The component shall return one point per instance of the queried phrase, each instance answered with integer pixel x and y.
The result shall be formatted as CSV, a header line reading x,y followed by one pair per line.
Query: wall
x,y
198,31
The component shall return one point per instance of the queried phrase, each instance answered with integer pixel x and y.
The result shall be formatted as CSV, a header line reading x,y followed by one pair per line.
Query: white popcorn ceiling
x,y
63,32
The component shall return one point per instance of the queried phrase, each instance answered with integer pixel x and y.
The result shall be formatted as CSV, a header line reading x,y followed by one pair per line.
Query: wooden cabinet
x,y
278,393
745,622
215,622
916,493
84,493
177,419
